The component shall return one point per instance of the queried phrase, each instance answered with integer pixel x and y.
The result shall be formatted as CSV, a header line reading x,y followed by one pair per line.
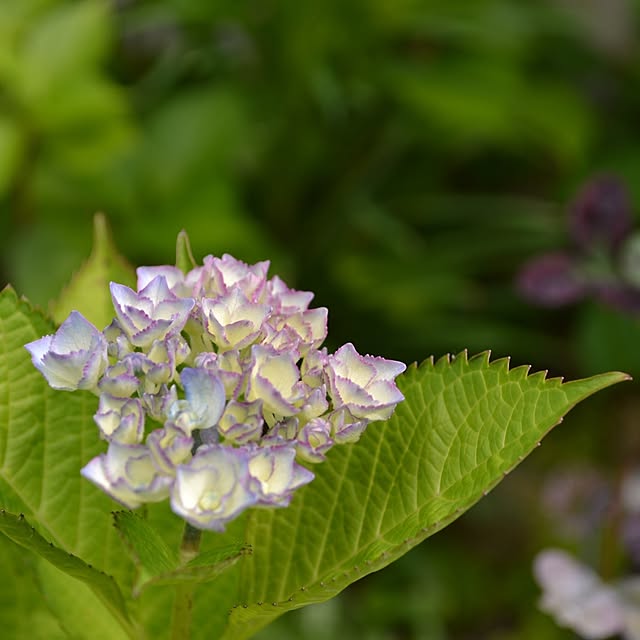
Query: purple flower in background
x,y
600,215
552,280
213,387
605,260
575,596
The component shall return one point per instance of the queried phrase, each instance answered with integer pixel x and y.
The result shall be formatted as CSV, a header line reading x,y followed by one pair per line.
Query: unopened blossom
x,y
314,440
72,358
169,447
128,475
120,419
215,389
121,379
300,331
345,427
363,384
242,422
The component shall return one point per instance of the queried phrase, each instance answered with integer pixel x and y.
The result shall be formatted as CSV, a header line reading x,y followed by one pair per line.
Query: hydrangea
x,y
214,389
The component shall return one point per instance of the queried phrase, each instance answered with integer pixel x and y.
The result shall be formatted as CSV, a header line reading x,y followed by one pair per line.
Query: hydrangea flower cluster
x,y
213,387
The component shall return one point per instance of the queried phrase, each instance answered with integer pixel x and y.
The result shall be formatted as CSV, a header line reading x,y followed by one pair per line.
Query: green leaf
x,y
22,609
464,425
68,41
78,609
17,529
159,565
88,291
46,437
11,152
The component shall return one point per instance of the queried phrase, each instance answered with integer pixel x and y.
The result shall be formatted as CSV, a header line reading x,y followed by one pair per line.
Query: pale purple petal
x,y
150,314
275,474
74,357
314,440
128,475
232,321
274,378
287,301
363,384
169,447
120,419
241,422
213,487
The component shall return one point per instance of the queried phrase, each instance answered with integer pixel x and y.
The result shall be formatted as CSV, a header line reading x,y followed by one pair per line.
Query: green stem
x,y
183,603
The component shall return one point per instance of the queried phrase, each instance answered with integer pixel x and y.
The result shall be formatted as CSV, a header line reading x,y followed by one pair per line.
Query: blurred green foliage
x,y
401,159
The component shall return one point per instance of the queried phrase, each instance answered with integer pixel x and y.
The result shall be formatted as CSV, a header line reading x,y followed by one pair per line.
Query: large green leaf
x,y
19,531
464,425
23,612
46,436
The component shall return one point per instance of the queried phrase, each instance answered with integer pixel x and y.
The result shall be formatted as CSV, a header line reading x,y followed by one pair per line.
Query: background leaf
x,y
88,291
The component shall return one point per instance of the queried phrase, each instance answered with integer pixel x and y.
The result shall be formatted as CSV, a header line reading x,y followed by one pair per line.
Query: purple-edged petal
x,y
314,440
284,300
242,422
213,487
128,475
120,419
218,275
173,276
74,357
363,384
232,321
275,474
121,379
345,427
303,330
169,447
274,378
150,314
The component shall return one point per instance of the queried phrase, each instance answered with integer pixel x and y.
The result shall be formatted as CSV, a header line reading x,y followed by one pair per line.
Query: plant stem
x,y
183,602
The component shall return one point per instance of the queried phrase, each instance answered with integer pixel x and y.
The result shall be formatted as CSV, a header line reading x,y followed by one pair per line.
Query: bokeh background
x,y
401,158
